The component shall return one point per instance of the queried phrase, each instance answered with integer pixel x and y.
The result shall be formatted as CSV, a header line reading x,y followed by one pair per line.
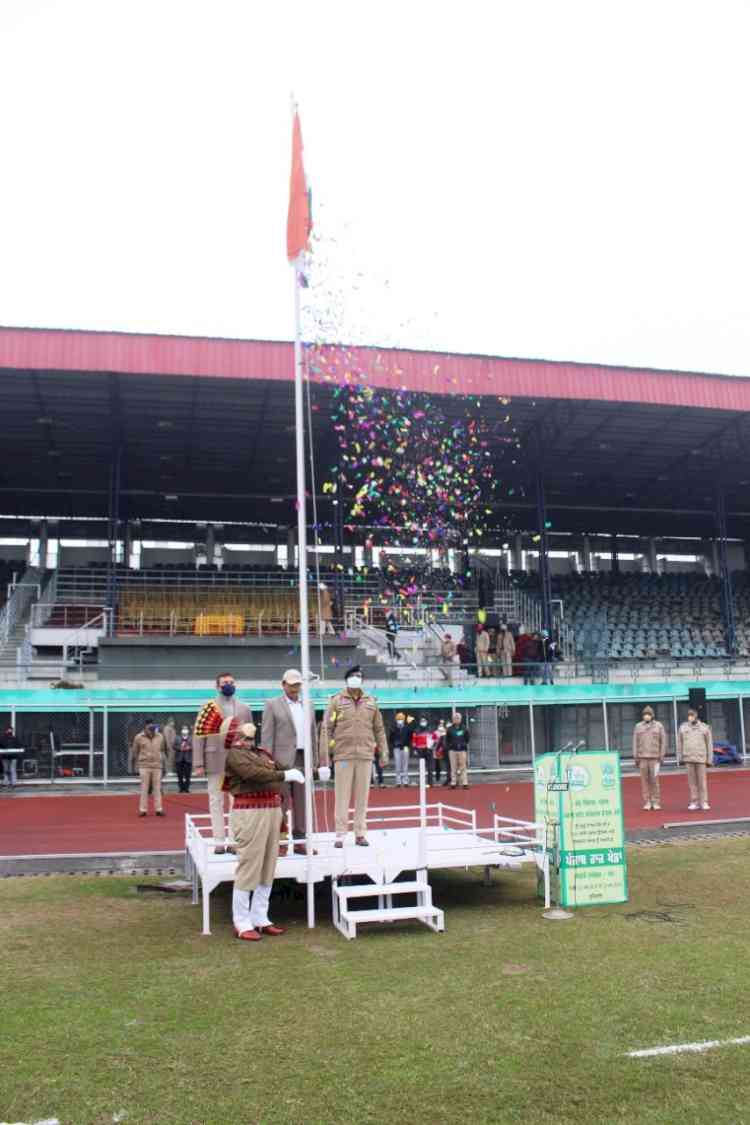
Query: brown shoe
x,y
339,844
301,849
249,935
273,931
361,842
219,849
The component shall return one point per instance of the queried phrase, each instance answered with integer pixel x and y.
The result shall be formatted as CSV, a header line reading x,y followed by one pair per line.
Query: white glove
x,y
294,775
324,773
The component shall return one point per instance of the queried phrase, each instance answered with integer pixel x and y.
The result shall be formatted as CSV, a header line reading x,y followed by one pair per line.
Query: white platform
x,y
417,838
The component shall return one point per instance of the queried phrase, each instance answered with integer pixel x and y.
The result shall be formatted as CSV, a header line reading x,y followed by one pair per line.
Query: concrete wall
x,y
203,658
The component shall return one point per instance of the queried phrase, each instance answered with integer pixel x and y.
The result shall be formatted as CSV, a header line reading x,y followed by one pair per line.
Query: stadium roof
x,y
211,423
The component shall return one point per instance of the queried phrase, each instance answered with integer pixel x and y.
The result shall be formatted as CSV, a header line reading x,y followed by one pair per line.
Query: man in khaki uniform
x,y
482,645
506,650
282,735
148,756
695,747
649,751
351,730
448,656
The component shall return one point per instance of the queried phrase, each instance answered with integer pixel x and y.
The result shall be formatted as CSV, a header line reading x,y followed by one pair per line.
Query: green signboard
x,y
579,798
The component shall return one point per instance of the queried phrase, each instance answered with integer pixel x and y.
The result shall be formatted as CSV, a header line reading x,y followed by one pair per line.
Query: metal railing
x,y
14,610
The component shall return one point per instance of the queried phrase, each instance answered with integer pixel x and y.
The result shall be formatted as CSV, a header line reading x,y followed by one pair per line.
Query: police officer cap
x,y
355,670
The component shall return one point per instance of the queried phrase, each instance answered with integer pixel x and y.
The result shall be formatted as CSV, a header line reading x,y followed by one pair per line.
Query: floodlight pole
x,y
304,615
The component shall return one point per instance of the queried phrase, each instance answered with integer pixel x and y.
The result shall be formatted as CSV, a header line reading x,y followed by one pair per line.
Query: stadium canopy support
x,y
727,595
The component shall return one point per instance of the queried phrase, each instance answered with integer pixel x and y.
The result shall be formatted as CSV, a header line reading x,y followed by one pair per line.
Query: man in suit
x,y
282,736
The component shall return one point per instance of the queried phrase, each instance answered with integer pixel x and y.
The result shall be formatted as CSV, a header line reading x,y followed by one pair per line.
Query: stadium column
x,y
544,572
727,594
113,529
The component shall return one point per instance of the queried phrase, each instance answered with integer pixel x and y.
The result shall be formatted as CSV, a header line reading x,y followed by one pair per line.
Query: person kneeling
x,y
255,782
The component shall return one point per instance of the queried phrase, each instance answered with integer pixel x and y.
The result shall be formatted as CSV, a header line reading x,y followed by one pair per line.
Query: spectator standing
x,y
506,650
183,759
695,749
482,646
423,742
548,653
457,743
400,741
148,757
532,658
169,730
325,624
391,632
10,761
448,656
649,751
442,765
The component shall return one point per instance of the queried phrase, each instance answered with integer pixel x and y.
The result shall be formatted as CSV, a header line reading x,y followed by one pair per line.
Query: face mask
x,y
228,690
399,722
423,723
647,718
354,682
185,732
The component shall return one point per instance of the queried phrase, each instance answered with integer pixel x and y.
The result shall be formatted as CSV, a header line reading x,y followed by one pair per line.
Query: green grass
x,y
111,1001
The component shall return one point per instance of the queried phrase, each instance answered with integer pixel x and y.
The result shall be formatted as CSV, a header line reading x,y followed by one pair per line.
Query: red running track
x,y
84,825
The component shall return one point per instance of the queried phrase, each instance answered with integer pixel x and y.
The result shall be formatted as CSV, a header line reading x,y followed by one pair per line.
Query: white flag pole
x,y
304,616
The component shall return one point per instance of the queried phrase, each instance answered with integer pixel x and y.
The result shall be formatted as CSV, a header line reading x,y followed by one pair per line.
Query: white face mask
x,y
185,732
354,682
399,722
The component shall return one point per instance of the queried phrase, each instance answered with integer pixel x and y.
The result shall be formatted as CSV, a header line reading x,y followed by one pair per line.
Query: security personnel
x,y
695,748
649,751
351,731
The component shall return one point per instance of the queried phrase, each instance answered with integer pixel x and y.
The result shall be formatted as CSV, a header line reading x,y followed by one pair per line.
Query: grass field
x,y
113,1003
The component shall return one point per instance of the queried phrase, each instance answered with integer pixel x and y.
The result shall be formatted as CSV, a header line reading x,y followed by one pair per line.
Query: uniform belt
x,y
257,801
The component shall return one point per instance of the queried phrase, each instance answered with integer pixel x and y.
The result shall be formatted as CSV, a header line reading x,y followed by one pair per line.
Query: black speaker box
x,y
697,700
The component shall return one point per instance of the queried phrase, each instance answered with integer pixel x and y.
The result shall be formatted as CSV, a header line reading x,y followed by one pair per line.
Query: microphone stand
x,y
557,913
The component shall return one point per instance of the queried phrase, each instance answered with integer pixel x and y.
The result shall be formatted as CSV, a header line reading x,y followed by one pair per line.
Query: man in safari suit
x,y
282,736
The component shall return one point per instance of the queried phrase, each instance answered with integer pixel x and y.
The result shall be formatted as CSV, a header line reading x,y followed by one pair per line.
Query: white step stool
x,y
346,920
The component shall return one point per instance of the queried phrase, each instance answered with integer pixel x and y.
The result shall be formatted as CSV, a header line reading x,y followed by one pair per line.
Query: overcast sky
x,y
565,179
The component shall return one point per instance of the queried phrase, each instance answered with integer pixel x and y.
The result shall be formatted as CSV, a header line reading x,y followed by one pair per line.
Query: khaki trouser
x,y
507,662
256,835
214,782
696,775
650,780
293,797
352,780
150,779
483,661
459,773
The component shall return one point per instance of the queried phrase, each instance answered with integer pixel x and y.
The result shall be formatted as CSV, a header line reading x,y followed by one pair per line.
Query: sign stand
x,y
580,802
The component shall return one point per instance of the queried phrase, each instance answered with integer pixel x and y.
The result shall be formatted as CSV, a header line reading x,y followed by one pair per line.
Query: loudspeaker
x,y
697,700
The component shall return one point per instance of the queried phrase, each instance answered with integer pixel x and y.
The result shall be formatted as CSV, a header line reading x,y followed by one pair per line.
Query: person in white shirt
x,y
282,736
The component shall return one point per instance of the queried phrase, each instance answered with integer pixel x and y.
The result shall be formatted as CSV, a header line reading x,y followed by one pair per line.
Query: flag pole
x,y
304,615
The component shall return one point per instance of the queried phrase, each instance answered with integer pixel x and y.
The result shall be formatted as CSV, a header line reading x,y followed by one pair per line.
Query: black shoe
x,y
466,786
160,813
142,814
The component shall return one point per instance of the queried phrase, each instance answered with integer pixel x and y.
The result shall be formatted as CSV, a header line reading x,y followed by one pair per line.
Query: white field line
x,y
678,1048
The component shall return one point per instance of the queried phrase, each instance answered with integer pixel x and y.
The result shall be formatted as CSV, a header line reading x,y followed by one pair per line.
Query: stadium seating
x,y
644,616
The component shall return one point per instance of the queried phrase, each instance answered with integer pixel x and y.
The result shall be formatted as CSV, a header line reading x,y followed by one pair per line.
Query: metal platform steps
x,y
346,920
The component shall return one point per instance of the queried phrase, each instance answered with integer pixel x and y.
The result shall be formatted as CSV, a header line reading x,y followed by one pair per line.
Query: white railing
x,y
23,593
